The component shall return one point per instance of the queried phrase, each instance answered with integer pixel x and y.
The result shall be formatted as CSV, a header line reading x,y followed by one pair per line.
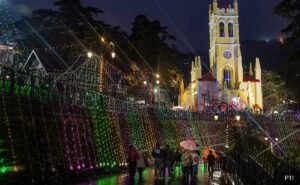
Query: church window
x,y
227,78
230,30
222,29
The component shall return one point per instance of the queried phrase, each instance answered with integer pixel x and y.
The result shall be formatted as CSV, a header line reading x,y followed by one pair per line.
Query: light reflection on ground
x,y
148,179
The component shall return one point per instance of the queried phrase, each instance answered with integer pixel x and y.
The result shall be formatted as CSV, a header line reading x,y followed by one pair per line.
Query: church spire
x,y
236,7
215,6
250,69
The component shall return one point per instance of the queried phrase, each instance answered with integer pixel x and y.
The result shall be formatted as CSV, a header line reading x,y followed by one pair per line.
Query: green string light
x,y
136,129
104,145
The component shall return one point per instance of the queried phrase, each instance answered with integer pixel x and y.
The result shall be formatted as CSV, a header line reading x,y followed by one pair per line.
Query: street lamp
x,y
157,81
113,53
276,139
266,139
145,82
238,118
216,117
157,76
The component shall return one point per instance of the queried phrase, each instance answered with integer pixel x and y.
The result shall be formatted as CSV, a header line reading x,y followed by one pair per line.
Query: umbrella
x,y
189,145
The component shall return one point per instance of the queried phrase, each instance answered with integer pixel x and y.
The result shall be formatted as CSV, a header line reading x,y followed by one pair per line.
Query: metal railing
x,y
272,171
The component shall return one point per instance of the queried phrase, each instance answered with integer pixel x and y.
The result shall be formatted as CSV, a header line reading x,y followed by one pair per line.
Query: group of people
x,y
165,160
137,160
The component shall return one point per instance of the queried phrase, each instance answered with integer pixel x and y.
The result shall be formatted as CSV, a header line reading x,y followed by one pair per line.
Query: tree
x,y
290,9
152,52
274,90
295,155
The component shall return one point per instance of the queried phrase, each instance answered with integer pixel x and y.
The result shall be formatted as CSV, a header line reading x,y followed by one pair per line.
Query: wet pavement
x,y
148,179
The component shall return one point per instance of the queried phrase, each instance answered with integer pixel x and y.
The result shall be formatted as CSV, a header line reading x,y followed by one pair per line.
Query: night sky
x,y
186,19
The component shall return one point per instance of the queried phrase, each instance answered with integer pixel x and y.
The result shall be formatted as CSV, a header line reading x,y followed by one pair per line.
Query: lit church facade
x,y
225,83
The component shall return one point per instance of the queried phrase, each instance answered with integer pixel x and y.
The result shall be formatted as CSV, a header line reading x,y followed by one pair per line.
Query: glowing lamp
x,y
113,54
266,139
89,54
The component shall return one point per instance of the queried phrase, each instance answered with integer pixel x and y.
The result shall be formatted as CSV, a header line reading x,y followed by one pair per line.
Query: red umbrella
x,y
188,145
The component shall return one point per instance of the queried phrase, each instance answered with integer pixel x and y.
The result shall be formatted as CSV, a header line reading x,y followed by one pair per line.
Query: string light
x,y
7,168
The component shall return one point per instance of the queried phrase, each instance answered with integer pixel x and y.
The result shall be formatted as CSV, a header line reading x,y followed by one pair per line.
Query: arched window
x,y
230,30
227,78
222,29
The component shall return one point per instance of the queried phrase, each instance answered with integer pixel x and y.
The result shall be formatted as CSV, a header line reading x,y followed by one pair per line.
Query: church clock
x,y
227,54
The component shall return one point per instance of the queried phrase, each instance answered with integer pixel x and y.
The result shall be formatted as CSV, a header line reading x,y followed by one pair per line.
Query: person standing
x,y
140,164
177,160
196,160
168,157
211,161
157,154
133,156
187,162
223,164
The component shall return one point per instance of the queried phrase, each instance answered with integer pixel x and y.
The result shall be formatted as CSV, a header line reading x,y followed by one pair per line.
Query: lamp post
x,y
271,143
113,53
228,123
101,66
158,88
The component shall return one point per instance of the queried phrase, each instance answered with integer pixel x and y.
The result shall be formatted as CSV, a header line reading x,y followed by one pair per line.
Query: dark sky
x,y
186,19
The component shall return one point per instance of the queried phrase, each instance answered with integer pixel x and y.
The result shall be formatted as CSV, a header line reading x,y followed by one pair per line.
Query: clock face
x,y
227,54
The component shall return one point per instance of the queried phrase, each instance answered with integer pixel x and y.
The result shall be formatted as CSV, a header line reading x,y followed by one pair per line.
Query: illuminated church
x,y
225,83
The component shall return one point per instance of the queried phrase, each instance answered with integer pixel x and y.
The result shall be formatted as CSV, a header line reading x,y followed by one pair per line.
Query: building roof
x,y
248,78
208,77
50,61
53,62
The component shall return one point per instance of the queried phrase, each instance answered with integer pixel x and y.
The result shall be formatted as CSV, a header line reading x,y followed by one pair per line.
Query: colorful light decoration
x,y
103,138
98,134
137,132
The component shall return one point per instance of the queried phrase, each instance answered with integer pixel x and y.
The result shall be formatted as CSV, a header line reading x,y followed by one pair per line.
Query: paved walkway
x,y
148,179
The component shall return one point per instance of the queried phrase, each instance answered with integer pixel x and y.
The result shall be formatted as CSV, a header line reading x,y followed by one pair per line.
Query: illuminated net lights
x,y
70,165
145,127
116,137
104,146
137,131
6,168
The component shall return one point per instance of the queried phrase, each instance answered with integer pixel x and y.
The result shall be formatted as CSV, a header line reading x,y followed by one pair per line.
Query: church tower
x,y
225,52
226,81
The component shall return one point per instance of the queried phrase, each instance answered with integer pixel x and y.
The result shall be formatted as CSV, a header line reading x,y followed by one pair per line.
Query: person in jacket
x,y
187,162
196,160
168,157
177,160
140,164
133,156
211,162
157,154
